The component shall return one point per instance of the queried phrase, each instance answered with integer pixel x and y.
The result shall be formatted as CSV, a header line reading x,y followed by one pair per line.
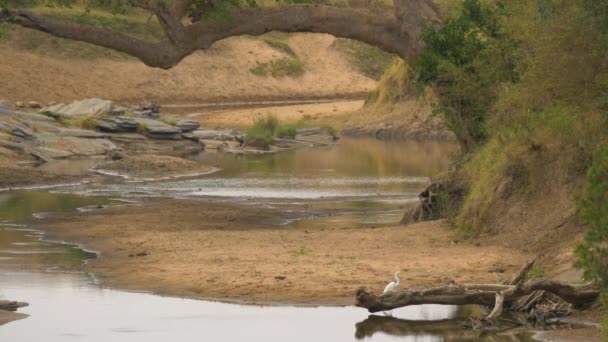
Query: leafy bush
x,y
466,59
593,252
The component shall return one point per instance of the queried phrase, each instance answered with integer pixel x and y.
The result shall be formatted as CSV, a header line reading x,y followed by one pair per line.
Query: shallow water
x,y
357,183
378,178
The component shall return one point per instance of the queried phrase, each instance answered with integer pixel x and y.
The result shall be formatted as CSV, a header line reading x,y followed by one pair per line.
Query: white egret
x,y
394,285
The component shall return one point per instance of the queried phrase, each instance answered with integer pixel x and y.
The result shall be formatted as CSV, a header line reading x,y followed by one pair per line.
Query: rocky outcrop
x,y
187,125
158,130
117,124
77,109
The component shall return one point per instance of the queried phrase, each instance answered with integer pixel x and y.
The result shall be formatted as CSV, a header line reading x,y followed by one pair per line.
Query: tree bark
x,y
480,294
394,32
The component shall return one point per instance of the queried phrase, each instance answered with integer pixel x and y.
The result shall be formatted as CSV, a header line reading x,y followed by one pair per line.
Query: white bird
x,y
394,285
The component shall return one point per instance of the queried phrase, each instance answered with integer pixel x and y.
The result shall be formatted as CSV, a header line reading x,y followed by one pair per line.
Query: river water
x,y
360,182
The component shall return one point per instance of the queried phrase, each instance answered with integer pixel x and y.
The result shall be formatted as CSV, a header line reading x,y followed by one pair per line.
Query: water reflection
x,y
447,330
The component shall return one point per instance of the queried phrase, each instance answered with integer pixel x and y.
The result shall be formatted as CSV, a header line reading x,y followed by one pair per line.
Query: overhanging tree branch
x,y
394,32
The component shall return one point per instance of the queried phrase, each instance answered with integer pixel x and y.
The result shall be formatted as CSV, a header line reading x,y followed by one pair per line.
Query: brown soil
x,y
219,73
155,166
206,250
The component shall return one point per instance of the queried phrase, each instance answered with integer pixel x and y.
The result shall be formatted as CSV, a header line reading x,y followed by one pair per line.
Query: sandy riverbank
x,y
206,250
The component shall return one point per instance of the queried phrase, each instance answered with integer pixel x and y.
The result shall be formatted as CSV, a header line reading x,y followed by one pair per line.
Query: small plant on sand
x,y
283,67
537,271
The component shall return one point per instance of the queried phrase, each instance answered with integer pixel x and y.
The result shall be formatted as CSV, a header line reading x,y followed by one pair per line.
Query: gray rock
x,y
81,133
6,105
117,124
216,134
159,130
187,125
76,109
308,131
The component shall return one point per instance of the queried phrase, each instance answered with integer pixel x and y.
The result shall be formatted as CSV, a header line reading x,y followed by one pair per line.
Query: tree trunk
x,y
394,32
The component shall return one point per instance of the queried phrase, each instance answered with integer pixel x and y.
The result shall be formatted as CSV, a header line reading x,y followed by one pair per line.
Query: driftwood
x,y
549,297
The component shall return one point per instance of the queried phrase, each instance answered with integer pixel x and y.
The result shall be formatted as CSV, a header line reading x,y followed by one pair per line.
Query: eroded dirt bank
x,y
206,250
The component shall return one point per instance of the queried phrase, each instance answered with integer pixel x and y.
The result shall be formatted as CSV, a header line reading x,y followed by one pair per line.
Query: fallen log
x,y
498,296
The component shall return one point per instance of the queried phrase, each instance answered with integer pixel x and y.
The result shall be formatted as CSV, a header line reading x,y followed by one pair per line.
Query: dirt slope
x,y
221,72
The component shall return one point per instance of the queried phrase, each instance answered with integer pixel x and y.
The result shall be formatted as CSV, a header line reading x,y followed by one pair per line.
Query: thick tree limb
x,y
394,32
479,294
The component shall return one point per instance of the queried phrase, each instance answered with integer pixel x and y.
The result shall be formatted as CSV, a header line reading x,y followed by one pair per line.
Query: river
x,y
359,182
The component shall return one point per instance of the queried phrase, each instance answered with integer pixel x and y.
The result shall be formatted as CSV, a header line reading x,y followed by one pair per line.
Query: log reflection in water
x,y
445,330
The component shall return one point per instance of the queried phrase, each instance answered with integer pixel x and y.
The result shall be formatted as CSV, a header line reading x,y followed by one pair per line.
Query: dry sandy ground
x,y
240,118
219,73
206,250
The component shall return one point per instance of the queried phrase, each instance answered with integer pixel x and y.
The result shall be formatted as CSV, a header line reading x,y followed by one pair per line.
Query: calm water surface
x,y
357,183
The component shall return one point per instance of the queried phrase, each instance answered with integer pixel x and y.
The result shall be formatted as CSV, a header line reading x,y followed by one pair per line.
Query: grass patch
x,y
268,127
368,60
280,46
537,271
278,68
395,85
142,128
84,122
168,120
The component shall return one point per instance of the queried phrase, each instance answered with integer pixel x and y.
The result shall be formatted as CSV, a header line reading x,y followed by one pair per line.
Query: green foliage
x,y
263,128
287,131
142,128
598,11
593,252
537,271
394,86
368,60
278,68
467,59
280,46
168,120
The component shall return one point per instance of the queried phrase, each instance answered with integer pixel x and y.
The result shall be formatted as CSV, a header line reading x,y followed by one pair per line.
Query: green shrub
x,y
264,127
260,69
593,252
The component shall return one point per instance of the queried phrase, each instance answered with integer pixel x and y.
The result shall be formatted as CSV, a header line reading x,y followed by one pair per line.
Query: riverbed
x,y
358,184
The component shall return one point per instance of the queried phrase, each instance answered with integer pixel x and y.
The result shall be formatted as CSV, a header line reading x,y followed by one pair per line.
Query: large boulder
x,y
77,109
